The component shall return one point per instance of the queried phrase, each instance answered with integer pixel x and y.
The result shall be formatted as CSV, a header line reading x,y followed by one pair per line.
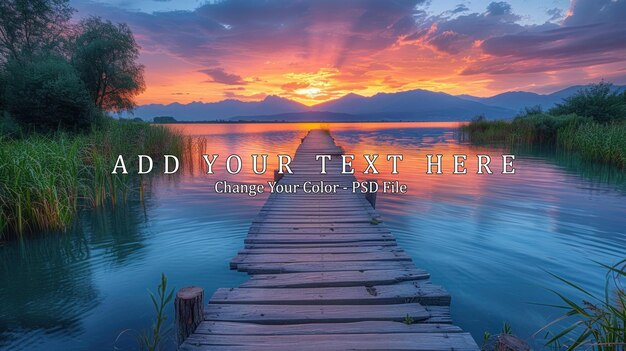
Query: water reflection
x,y
487,238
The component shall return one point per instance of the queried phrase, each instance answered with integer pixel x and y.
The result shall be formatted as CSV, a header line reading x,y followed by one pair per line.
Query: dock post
x,y
189,311
371,196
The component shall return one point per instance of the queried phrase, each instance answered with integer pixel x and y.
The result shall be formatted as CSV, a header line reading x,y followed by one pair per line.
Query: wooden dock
x,y
325,274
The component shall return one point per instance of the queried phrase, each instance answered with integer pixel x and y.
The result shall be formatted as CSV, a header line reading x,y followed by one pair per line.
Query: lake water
x,y
488,239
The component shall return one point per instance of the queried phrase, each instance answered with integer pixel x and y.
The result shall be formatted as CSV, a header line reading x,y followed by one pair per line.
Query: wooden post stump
x,y
189,311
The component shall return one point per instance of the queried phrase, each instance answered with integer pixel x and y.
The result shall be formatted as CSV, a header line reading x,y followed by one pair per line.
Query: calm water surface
x,y
489,239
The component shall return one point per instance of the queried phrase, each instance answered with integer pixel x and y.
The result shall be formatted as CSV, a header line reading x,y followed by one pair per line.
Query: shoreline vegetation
x,y
597,322
590,123
59,83
46,179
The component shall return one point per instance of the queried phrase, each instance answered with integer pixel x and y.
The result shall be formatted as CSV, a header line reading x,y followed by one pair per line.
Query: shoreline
x,y
297,122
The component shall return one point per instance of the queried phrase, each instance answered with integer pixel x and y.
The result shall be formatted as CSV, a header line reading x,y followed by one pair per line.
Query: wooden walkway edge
x,y
325,274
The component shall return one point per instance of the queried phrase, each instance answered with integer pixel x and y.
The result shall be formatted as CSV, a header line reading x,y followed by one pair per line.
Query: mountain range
x,y
412,105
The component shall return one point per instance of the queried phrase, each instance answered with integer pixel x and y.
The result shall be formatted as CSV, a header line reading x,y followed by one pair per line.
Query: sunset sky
x,y
314,51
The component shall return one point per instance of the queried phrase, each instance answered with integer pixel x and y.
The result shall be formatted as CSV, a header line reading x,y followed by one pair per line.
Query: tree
x,y
601,101
32,27
46,93
105,56
164,119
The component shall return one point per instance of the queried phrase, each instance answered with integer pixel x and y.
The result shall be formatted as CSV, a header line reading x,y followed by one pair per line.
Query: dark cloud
x,y
500,8
555,14
584,12
460,8
254,29
218,75
456,34
594,33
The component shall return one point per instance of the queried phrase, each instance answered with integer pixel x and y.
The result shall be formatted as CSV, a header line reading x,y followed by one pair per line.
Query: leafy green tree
x,y
599,101
32,27
46,93
105,55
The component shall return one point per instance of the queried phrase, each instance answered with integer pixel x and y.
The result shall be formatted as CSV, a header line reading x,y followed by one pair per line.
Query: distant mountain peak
x,y
416,104
272,98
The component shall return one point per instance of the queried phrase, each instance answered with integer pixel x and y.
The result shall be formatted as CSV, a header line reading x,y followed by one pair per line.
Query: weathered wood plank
x,y
319,250
321,230
425,294
369,327
388,243
273,268
404,341
297,314
291,258
334,279
314,239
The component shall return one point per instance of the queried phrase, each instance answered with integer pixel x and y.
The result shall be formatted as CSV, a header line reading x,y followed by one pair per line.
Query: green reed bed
x,y
45,179
593,141
591,123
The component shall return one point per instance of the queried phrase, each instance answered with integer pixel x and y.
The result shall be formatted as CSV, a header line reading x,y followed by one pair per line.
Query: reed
x,y
45,179
596,323
593,141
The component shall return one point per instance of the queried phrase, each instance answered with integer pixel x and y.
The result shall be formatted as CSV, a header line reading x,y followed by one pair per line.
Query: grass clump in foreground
x,y
591,123
597,323
45,179
156,338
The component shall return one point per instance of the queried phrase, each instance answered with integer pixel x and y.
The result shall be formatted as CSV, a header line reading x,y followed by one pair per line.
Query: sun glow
x,y
310,92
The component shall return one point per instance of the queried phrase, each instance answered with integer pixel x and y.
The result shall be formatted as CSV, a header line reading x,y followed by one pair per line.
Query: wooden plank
x,y
321,230
314,239
297,314
369,327
272,268
376,341
319,250
425,294
388,243
337,279
291,258
304,225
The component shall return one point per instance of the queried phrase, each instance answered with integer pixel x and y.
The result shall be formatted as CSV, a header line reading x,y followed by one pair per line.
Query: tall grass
x,y
593,141
597,323
155,339
45,179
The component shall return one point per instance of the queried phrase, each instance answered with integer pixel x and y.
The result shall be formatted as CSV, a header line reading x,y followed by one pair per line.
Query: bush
x,y
600,102
46,93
